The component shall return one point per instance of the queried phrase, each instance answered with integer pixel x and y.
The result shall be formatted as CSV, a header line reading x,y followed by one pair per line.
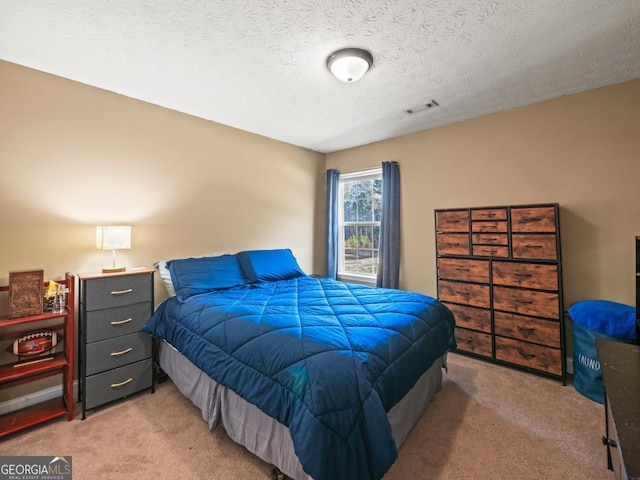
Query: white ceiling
x,y
259,65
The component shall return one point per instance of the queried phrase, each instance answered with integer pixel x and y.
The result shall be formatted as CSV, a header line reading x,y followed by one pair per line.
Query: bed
x,y
320,378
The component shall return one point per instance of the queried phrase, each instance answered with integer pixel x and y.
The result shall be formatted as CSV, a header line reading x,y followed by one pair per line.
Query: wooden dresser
x,y
500,273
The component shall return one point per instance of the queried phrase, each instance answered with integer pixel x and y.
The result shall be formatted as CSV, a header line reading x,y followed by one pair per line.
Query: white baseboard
x,y
35,398
570,365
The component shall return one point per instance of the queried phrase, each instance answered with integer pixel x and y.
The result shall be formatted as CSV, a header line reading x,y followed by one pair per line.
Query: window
x,y
360,210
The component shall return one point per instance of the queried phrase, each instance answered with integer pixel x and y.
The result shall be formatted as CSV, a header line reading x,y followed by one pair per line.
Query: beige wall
x,y
73,157
581,151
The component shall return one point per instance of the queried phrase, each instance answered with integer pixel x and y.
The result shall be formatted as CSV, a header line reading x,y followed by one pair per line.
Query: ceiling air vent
x,y
422,108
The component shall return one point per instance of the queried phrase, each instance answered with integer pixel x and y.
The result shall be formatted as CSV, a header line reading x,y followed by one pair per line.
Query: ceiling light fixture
x,y
349,64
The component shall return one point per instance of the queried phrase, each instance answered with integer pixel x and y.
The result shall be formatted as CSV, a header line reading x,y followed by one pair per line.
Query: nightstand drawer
x,y
116,352
118,383
113,322
109,292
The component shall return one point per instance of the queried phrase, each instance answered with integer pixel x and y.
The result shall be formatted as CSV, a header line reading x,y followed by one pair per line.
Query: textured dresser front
x,y
499,272
116,357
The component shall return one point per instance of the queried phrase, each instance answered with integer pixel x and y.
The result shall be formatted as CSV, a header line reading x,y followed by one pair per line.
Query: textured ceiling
x,y
259,65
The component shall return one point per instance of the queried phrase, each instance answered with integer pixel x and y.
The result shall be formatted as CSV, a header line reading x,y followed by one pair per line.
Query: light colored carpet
x,y
487,422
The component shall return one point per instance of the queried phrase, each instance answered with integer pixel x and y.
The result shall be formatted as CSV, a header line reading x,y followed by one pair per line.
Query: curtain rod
x,y
360,170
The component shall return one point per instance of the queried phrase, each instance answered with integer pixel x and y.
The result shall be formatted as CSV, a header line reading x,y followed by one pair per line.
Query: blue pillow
x,y
269,265
603,316
191,276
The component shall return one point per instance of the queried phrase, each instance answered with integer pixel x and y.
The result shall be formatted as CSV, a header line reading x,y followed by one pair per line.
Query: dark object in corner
x,y
161,376
276,474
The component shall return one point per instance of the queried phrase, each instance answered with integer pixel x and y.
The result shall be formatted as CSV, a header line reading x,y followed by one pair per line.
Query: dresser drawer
x,y
116,352
490,239
113,322
452,221
538,247
109,292
490,251
471,317
464,269
529,355
476,342
489,214
453,244
118,383
535,330
464,293
538,219
526,302
529,275
489,226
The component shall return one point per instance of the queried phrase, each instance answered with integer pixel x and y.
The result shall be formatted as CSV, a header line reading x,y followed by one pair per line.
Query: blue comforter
x,y
325,358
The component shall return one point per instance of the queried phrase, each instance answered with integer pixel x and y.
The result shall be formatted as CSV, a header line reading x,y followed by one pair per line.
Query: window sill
x,y
359,279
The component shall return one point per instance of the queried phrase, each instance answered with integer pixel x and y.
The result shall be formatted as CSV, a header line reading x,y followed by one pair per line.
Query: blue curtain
x,y
389,252
333,177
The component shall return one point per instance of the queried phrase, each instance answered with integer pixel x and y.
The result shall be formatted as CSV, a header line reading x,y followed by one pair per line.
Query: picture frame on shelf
x,y
26,293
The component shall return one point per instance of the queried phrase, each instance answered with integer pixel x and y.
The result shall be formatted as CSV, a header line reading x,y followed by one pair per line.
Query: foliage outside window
x,y
359,222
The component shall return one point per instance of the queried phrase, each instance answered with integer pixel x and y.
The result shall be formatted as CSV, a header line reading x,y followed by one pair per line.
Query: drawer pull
x,y
525,355
523,330
524,275
122,322
122,292
122,384
526,302
115,354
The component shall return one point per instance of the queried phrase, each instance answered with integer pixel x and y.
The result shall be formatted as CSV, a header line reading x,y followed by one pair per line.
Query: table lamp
x,y
113,238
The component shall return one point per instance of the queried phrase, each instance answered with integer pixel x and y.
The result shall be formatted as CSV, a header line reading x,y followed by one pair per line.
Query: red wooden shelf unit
x,y
28,370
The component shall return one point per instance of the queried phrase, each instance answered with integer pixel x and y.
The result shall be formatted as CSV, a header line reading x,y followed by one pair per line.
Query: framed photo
x,y
26,295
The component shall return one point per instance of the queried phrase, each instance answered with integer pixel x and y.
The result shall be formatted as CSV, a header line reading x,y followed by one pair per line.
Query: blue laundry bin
x,y
594,319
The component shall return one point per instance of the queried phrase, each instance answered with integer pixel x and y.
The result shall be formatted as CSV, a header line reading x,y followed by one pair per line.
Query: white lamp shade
x,y
113,238
350,64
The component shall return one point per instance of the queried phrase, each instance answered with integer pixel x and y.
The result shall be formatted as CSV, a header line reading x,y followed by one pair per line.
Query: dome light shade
x,y
350,64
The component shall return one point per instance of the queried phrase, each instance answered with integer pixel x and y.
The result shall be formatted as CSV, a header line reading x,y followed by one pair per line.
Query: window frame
x,y
363,278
